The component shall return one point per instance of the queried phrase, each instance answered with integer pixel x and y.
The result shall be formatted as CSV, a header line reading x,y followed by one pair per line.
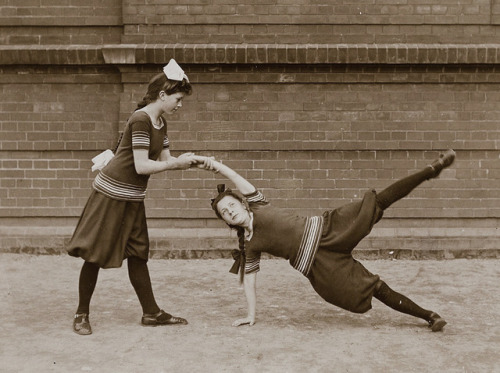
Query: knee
x,y
136,266
380,289
89,267
381,202
135,260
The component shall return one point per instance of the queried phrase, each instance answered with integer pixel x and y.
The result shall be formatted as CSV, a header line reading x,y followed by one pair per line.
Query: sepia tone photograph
x,y
249,186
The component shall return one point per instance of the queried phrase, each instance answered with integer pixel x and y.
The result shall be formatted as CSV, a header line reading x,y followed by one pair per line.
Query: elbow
x,y
140,170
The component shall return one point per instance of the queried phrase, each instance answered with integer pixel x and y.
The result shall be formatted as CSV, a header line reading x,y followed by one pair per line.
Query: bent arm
x,y
146,166
165,155
250,285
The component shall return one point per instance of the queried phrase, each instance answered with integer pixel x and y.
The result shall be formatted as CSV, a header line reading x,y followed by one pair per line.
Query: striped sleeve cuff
x,y
252,264
140,140
256,196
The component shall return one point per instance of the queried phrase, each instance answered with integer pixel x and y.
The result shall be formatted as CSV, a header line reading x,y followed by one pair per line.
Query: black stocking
x,y
399,302
86,286
139,277
403,187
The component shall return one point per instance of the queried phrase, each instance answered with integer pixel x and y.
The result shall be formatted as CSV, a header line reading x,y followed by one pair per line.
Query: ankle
x,y
153,314
445,160
431,316
435,170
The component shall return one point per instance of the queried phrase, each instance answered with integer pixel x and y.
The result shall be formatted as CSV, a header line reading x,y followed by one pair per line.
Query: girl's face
x,y
233,211
171,103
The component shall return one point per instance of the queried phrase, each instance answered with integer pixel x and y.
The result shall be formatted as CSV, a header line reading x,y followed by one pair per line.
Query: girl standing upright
x,y
113,226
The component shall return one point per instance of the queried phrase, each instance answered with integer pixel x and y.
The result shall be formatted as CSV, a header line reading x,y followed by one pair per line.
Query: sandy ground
x,y
296,331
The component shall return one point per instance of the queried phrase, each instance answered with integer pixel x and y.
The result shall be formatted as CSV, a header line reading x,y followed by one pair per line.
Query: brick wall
x,y
308,21
49,118
60,12
309,12
61,22
62,35
315,103
30,22
313,146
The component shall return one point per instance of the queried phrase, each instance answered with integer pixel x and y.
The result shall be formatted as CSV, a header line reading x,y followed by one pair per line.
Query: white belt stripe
x,y
119,190
309,244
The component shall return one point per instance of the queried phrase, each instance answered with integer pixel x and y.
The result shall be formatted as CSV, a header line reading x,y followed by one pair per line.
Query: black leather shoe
x,y
445,160
81,324
161,318
436,322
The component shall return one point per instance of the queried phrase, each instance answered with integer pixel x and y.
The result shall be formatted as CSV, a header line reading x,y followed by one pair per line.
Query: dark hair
x,y
159,83
237,254
227,192
241,246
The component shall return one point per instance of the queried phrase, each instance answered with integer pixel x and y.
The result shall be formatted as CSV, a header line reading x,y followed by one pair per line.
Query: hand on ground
x,y
246,321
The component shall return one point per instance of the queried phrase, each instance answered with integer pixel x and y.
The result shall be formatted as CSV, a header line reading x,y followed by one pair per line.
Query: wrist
x,y
173,164
168,164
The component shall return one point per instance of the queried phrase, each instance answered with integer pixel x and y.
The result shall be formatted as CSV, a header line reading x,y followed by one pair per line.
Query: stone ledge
x,y
190,243
156,233
420,232
126,54
369,254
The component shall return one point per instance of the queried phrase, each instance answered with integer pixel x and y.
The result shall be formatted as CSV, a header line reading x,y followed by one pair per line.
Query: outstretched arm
x,y
250,285
242,184
146,166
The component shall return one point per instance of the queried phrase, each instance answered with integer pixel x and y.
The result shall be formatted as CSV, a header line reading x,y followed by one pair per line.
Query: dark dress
x,y
334,274
113,226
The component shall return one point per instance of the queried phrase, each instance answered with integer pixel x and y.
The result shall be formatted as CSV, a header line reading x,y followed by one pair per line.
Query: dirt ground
x,y
296,331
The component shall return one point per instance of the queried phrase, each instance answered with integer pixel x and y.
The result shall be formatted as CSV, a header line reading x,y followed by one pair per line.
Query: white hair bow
x,y
174,72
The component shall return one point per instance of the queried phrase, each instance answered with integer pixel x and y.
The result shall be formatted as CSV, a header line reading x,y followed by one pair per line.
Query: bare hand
x,y
246,321
206,163
186,160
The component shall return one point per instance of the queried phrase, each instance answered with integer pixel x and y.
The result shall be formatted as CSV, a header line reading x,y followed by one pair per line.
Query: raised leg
x,y
404,186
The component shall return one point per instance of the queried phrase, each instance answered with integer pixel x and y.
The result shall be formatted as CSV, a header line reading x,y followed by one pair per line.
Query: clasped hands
x,y
199,161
